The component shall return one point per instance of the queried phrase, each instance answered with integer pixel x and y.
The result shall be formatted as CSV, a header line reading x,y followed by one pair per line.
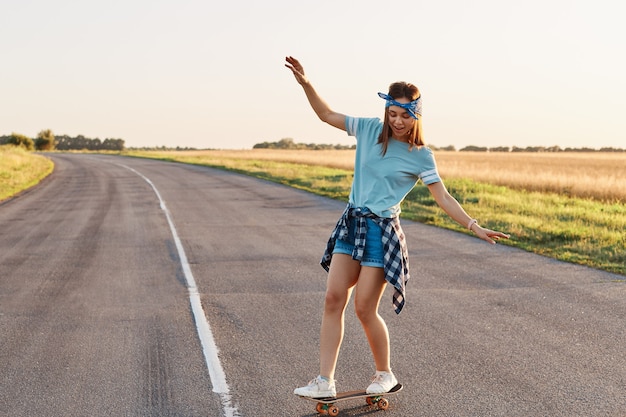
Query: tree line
x,y
47,141
472,148
288,143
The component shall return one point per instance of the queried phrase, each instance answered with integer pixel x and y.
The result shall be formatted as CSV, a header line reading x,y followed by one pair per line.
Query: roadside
x,y
21,170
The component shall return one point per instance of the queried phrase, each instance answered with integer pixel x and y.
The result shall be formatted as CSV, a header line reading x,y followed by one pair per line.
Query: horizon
x,y
312,146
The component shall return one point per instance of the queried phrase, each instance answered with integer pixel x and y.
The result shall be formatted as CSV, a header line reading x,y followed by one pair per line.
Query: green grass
x,y
20,170
575,230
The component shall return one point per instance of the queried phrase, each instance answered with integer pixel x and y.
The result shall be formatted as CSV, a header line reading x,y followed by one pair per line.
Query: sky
x,y
210,74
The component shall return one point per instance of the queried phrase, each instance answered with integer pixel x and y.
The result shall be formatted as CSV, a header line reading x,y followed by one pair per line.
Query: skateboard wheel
x,y
383,404
369,400
321,408
333,411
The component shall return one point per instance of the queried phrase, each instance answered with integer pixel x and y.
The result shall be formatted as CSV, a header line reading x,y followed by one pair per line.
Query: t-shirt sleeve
x,y
351,125
363,127
429,174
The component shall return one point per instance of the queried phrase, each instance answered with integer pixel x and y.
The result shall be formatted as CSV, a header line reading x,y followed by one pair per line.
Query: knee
x,y
365,312
335,302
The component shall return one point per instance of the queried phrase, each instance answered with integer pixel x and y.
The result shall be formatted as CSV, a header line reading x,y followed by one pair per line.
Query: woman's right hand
x,y
297,69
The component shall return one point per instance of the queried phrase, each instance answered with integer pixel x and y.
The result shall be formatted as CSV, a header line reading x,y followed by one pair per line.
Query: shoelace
x,y
378,378
317,381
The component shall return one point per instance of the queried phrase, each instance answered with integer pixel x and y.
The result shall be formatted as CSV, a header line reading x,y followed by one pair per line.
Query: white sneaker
x,y
381,383
317,388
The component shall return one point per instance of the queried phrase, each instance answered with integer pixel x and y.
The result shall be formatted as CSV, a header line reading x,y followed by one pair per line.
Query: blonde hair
x,y
409,91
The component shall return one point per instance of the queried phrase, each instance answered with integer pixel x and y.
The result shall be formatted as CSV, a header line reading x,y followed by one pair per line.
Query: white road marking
x,y
209,348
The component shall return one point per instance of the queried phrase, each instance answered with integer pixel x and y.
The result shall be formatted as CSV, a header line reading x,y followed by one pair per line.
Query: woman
x,y
367,247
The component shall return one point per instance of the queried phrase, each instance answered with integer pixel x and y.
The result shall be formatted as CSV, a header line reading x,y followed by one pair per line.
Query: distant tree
x,y
500,149
286,143
579,150
112,145
472,148
448,148
80,142
61,142
22,141
45,141
94,144
263,145
535,149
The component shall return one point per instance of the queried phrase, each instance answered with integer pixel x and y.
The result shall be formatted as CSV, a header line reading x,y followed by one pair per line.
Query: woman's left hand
x,y
488,235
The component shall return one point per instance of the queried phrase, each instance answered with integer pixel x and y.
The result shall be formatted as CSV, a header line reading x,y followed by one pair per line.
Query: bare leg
x,y
369,290
343,275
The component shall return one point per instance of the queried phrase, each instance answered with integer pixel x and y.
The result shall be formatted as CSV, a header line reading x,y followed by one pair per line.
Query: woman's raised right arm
x,y
320,107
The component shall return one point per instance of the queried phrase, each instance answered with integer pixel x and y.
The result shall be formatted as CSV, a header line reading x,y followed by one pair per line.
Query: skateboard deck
x,y
329,405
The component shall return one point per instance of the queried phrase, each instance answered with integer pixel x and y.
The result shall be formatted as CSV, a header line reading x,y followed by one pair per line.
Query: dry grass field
x,y
601,176
596,175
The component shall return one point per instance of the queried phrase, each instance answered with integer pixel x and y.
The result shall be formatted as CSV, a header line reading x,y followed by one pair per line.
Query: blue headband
x,y
413,108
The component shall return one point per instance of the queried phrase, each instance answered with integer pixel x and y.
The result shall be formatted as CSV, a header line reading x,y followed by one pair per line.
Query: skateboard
x,y
329,405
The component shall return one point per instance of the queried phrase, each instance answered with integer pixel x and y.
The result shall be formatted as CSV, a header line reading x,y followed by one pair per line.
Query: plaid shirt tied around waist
x,y
396,258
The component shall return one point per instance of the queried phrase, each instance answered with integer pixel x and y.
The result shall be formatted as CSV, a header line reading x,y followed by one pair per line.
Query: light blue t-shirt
x,y
382,182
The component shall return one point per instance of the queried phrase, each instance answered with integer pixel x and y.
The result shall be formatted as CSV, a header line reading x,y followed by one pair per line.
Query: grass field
x,y
567,206
20,170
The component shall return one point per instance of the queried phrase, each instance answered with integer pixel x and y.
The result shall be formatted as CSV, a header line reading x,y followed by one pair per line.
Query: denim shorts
x,y
374,254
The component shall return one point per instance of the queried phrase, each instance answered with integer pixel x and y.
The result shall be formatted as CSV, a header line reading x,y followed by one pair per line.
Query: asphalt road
x,y
96,320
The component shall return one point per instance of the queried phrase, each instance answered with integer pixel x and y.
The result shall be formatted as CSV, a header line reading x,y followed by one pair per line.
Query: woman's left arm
x,y
452,207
